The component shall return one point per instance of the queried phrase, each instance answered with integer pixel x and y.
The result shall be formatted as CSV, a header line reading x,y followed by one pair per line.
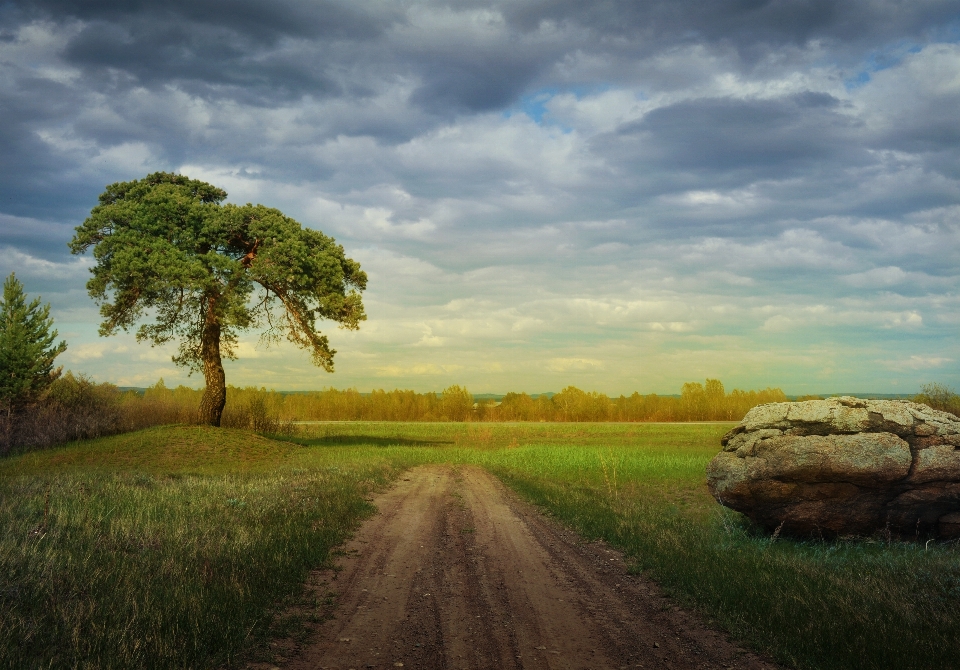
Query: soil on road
x,y
455,571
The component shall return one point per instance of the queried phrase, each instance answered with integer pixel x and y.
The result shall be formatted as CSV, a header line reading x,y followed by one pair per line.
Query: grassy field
x,y
177,546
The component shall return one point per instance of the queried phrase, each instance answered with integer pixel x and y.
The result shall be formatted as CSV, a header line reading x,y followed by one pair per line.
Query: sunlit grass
x,y
166,548
174,547
809,604
165,449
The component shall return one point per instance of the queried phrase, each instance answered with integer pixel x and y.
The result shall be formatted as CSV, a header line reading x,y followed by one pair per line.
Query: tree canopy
x,y
27,347
170,254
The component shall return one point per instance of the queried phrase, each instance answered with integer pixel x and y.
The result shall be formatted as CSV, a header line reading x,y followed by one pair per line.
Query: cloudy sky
x,y
619,195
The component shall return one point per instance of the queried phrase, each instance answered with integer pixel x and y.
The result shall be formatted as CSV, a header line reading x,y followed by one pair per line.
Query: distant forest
x,y
696,402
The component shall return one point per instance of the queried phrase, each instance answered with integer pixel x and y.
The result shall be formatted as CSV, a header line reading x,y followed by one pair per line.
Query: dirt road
x,y
456,572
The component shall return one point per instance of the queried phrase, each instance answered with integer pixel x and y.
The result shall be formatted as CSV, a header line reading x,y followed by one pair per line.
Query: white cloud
x,y
419,370
574,364
794,248
877,277
27,266
926,362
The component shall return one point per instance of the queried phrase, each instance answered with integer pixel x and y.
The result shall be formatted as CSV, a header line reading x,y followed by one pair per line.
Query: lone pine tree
x,y
168,252
27,349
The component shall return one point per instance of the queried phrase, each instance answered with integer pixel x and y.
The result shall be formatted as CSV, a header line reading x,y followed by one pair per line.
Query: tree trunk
x,y
215,392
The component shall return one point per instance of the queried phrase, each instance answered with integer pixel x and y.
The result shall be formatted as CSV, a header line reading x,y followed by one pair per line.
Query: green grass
x,y
171,547
177,546
808,604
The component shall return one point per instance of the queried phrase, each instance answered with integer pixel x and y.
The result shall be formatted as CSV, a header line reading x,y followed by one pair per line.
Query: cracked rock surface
x,y
843,466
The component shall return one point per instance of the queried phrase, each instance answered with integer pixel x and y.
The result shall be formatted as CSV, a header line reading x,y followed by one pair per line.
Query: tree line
x,y
696,402
75,407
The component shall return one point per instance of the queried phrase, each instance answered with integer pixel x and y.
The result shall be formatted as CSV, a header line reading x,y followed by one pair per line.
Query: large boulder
x,y
843,466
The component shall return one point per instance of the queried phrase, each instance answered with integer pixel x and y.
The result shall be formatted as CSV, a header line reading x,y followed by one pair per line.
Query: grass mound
x,y
160,450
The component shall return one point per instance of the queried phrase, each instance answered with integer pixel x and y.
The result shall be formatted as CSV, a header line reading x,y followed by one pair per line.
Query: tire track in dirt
x,y
456,572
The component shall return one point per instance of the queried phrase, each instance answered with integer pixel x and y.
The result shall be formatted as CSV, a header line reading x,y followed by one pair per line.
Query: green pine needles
x,y
170,255
27,348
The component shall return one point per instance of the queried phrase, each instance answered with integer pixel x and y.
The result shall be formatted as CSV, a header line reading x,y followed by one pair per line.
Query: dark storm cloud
x,y
928,126
745,140
40,239
265,53
745,23
463,84
259,21
238,47
161,50
36,181
241,60
245,50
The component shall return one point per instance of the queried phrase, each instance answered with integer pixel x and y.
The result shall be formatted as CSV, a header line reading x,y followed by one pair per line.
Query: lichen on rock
x,y
843,466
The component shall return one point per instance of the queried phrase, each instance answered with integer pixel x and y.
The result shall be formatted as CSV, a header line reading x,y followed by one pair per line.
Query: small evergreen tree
x,y
27,348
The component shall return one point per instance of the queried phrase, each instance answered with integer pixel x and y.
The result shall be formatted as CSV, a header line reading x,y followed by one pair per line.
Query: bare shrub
x,y
257,410
74,407
939,396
